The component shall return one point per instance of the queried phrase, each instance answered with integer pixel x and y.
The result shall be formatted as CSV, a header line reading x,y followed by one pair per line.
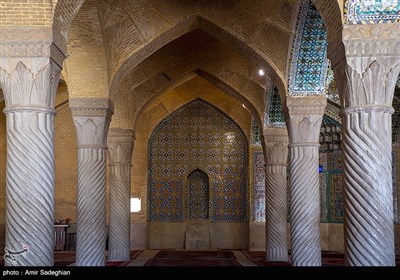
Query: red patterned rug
x,y
64,258
186,254
133,255
328,259
193,258
68,257
117,263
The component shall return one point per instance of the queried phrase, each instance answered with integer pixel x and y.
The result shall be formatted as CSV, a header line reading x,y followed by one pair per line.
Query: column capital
x,y
22,43
372,64
275,134
276,146
29,88
30,67
372,39
91,107
120,146
305,105
116,132
304,114
92,118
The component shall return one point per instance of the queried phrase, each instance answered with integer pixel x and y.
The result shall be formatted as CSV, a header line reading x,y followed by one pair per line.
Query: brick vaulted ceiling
x,y
130,25
141,48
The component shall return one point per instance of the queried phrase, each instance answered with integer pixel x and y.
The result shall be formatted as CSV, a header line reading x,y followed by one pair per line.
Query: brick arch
x,y
157,75
332,15
308,65
189,24
215,79
229,88
64,13
160,72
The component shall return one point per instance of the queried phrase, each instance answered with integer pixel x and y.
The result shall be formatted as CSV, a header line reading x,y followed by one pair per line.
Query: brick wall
x,y
66,159
86,66
26,13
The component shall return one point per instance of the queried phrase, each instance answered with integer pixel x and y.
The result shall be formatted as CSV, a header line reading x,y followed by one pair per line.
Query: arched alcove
x,y
198,195
198,134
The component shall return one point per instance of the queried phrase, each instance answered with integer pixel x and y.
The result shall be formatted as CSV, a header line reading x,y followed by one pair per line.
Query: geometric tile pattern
x,y
166,200
198,195
335,161
255,137
275,117
323,214
337,198
323,161
308,62
333,111
331,90
198,136
372,11
330,136
259,186
331,187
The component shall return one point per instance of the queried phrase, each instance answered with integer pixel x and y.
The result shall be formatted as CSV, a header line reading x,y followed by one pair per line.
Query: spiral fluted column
x,y
29,98
276,153
304,118
368,196
120,146
369,73
92,119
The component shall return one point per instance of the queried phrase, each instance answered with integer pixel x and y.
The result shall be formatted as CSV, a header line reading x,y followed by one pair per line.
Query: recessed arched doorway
x,y
198,181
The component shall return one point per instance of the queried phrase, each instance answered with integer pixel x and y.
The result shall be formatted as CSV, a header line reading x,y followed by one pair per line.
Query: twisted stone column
x,y
370,71
91,118
304,118
29,75
276,153
120,146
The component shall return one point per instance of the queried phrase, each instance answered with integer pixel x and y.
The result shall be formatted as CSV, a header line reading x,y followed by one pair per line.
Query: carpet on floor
x,y
117,263
193,258
64,258
187,254
328,259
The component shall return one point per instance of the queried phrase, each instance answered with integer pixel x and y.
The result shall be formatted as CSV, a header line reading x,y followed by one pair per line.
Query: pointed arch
x,y
197,194
64,13
198,134
184,26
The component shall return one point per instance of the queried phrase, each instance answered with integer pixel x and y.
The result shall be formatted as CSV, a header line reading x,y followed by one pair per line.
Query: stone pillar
x,y
29,75
120,146
91,118
304,119
276,154
369,71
